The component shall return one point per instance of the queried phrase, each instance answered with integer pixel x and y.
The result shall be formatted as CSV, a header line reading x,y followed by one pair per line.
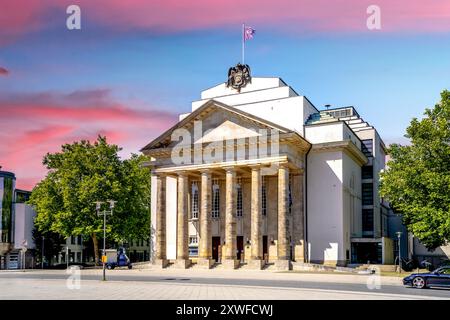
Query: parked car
x,y
437,278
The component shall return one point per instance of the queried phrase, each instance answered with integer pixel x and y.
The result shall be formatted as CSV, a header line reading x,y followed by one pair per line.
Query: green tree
x,y
83,173
417,181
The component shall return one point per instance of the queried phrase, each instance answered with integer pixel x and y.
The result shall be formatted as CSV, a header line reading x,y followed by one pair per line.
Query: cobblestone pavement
x,y
202,285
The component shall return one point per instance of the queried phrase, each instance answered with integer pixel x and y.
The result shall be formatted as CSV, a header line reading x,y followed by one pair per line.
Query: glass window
x,y
367,194
367,220
445,271
195,203
193,240
263,197
367,147
6,207
215,212
367,172
239,200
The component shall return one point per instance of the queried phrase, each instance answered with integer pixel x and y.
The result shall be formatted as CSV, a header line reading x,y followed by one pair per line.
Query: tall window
x,y
367,194
194,205
215,208
367,221
367,147
367,172
239,199
263,196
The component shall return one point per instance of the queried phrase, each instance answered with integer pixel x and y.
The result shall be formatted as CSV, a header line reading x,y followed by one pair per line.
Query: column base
x,y
299,254
283,265
205,263
256,264
182,263
230,263
161,263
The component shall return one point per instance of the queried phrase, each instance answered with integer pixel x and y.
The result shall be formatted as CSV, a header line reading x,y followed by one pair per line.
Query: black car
x,y
437,278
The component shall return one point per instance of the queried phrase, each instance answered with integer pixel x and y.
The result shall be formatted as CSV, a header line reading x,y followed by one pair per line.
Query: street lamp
x,y
399,234
98,205
43,243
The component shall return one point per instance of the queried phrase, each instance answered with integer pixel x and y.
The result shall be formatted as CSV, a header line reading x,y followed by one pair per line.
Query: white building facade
x,y
259,175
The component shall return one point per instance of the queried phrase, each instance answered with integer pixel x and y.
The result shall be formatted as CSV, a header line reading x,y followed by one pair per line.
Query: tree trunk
x,y
96,255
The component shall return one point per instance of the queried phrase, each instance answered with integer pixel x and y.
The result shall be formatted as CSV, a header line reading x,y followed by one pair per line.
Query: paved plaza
x,y
204,285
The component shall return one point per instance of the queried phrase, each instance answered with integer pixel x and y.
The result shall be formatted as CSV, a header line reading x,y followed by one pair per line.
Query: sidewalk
x,y
233,274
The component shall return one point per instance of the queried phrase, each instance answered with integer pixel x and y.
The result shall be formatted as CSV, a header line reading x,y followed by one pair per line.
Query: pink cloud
x,y
3,72
168,16
32,125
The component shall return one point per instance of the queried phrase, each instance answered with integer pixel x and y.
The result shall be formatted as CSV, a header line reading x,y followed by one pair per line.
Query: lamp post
x,y
104,213
399,234
42,262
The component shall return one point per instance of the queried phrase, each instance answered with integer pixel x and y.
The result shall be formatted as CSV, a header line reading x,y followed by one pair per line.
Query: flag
x,y
248,33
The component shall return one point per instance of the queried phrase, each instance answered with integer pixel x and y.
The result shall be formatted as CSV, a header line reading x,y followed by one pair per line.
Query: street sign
x,y
104,259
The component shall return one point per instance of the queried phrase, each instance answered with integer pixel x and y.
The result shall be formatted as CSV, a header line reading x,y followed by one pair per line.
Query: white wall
x,y
334,202
325,207
267,98
258,83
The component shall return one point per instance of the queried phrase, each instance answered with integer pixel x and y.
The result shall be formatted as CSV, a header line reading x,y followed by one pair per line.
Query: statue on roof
x,y
239,76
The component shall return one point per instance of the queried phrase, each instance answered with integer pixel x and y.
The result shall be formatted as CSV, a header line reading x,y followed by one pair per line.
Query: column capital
x,y
205,171
231,168
255,167
182,173
284,164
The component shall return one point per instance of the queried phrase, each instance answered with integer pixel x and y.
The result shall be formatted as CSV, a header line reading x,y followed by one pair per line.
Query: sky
x,y
135,65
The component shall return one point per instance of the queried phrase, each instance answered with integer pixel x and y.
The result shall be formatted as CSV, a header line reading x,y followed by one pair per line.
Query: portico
x,y
243,205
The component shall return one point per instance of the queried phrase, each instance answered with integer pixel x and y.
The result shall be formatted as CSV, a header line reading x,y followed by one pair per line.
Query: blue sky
x,y
389,76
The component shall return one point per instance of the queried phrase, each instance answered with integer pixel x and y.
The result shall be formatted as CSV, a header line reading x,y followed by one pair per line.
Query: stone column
x,y
283,245
183,261
205,244
161,255
256,259
298,217
230,260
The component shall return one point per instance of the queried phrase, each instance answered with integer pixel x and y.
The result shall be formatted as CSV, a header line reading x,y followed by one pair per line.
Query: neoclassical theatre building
x,y
255,174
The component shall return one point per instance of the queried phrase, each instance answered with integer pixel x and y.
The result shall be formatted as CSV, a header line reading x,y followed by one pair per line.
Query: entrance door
x,y
215,248
265,248
239,246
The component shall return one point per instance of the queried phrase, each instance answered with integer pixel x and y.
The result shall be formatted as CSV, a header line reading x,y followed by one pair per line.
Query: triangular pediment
x,y
228,130
217,122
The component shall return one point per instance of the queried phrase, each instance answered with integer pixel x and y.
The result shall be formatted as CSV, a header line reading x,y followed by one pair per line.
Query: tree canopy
x,y
83,173
417,180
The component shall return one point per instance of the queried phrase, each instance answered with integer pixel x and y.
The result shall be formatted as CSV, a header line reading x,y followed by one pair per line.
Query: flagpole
x,y
243,43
